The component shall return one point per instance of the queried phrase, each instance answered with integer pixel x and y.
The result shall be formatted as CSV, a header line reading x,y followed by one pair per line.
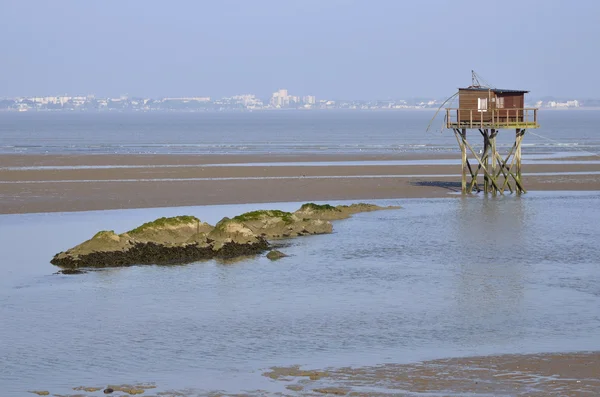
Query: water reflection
x,y
490,279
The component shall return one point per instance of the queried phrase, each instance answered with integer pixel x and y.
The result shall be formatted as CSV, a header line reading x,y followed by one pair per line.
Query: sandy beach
x,y
38,183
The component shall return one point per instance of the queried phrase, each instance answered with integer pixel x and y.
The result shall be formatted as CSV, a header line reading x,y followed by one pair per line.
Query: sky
x,y
335,49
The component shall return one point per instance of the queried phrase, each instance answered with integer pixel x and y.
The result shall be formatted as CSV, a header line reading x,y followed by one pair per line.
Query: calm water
x,y
439,278
271,132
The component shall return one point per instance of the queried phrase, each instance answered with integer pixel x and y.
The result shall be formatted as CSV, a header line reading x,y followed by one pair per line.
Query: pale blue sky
x,y
373,49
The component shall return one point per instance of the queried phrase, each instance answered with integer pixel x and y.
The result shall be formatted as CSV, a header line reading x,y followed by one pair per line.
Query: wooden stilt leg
x,y
518,138
492,157
486,164
463,154
461,137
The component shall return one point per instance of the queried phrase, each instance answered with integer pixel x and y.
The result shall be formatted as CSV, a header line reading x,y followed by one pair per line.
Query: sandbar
x,y
59,183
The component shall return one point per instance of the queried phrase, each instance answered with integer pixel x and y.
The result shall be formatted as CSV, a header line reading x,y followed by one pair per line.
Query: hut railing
x,y
492,118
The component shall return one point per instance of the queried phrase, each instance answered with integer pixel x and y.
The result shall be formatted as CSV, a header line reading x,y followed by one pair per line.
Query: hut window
x,y
500,103
482,104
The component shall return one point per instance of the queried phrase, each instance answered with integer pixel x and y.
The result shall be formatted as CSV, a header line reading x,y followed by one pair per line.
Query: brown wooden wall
x,y
512,100
467,99
467,103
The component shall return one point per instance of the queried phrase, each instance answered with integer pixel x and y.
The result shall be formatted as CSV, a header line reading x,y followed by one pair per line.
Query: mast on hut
x,y
489,110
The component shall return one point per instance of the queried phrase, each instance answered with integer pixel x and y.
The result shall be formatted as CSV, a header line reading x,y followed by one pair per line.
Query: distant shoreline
x,y
100,111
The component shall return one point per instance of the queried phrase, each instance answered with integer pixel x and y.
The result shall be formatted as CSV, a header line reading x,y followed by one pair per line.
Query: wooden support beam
x,y
502,170
460,137
485,170
485,163
518,186
474,180
512,149
473,177
518,138
492,141
463,154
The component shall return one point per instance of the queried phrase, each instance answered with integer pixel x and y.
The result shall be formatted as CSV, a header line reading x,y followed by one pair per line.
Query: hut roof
x,y
496,90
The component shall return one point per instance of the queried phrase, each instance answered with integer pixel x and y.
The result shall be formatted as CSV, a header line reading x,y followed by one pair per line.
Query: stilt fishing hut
x,y
489,110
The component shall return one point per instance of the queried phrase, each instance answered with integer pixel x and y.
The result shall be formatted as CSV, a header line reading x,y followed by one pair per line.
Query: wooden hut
x,y
483,107
490,110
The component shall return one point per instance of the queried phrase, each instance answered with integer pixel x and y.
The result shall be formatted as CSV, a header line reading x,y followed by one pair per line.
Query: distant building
x,y
280,99
567,104
573,104
309,100
189,99
78,100
247,100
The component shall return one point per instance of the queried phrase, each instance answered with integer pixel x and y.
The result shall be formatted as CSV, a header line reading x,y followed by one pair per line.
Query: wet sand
x,y
65,184
534,375
573,374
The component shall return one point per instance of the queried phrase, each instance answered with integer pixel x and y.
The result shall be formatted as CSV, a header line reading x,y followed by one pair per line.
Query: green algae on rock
x,y
319,211
274,224
178,229
286,217
329,212
165,222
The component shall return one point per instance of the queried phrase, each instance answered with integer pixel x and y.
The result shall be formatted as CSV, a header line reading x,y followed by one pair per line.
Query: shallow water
x,y
275,178
549,158
438,278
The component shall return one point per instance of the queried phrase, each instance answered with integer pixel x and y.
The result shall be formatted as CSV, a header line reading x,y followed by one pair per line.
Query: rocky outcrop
x,y
275,255
185,239
174,240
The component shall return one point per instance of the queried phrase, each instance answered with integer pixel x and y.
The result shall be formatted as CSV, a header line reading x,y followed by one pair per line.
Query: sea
x,y
449,277
280,132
